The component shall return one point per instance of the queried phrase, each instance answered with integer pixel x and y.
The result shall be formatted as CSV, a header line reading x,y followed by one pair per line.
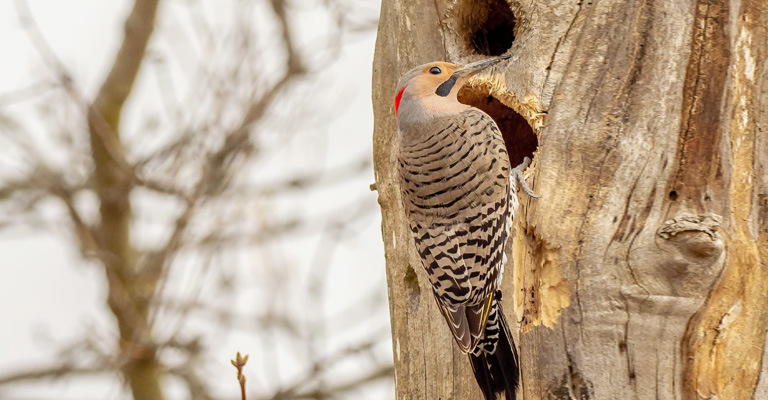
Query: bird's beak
x,y
477,66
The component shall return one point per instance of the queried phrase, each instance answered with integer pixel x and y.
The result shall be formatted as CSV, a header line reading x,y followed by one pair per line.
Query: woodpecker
x,y
460,194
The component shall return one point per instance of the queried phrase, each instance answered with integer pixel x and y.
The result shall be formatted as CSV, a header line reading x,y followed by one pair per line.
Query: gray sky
x,y
48,295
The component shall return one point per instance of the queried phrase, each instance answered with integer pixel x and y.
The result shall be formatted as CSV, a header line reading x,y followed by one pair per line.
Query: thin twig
x,y
239,363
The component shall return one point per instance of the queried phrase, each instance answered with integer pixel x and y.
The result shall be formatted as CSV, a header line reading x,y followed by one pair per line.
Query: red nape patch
x,y
398,98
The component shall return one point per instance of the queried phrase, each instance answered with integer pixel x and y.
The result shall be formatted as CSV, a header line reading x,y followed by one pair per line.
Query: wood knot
x,y
688,259
685,233
684,222
411,283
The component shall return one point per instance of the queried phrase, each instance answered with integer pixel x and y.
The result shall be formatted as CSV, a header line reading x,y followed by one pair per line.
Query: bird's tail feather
x,y
494,361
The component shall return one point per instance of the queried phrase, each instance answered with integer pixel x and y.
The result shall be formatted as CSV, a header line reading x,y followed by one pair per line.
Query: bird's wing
x,y
457,203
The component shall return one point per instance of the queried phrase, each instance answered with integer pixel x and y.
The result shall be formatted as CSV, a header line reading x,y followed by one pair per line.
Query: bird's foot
x,y
518,172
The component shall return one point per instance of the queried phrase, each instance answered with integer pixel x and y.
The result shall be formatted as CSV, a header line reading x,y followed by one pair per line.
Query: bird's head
x,y
431,89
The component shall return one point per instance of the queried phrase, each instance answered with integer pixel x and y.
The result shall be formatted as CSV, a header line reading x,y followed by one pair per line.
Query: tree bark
x,y
642,272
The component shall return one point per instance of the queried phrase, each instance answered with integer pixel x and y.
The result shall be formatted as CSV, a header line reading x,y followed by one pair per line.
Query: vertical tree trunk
x,y
427,364
642,272
130,289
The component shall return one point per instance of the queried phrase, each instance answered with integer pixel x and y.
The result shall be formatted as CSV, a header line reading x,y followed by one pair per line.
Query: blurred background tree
x,y
206,151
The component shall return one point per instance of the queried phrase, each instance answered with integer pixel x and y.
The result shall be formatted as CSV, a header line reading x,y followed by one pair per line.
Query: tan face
x,y
424,81
430,77
431,89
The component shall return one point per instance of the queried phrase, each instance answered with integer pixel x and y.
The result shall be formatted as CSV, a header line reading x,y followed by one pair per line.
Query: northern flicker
x,y
460,195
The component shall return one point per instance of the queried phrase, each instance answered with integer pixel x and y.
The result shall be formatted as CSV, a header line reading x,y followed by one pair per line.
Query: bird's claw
x,y
518,172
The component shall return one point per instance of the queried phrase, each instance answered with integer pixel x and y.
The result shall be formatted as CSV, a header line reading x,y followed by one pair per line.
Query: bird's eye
x,y
435,71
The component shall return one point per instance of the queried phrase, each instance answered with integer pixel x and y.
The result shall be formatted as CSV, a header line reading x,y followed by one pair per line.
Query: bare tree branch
x,y
384,372
28,92
294,391
101,128
56,371
196,169
320,178
219,163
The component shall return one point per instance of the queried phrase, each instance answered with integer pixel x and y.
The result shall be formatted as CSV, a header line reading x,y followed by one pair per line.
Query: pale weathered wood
x,y
642,272
428,367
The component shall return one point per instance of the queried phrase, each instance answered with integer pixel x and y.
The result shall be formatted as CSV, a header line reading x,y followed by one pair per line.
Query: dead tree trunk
x,y
642,272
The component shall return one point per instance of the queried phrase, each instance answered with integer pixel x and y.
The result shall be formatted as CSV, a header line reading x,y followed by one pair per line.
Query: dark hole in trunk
x,y
519,138
489,26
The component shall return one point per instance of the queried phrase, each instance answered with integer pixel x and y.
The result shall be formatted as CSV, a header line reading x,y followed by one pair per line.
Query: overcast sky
x,y
48,295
